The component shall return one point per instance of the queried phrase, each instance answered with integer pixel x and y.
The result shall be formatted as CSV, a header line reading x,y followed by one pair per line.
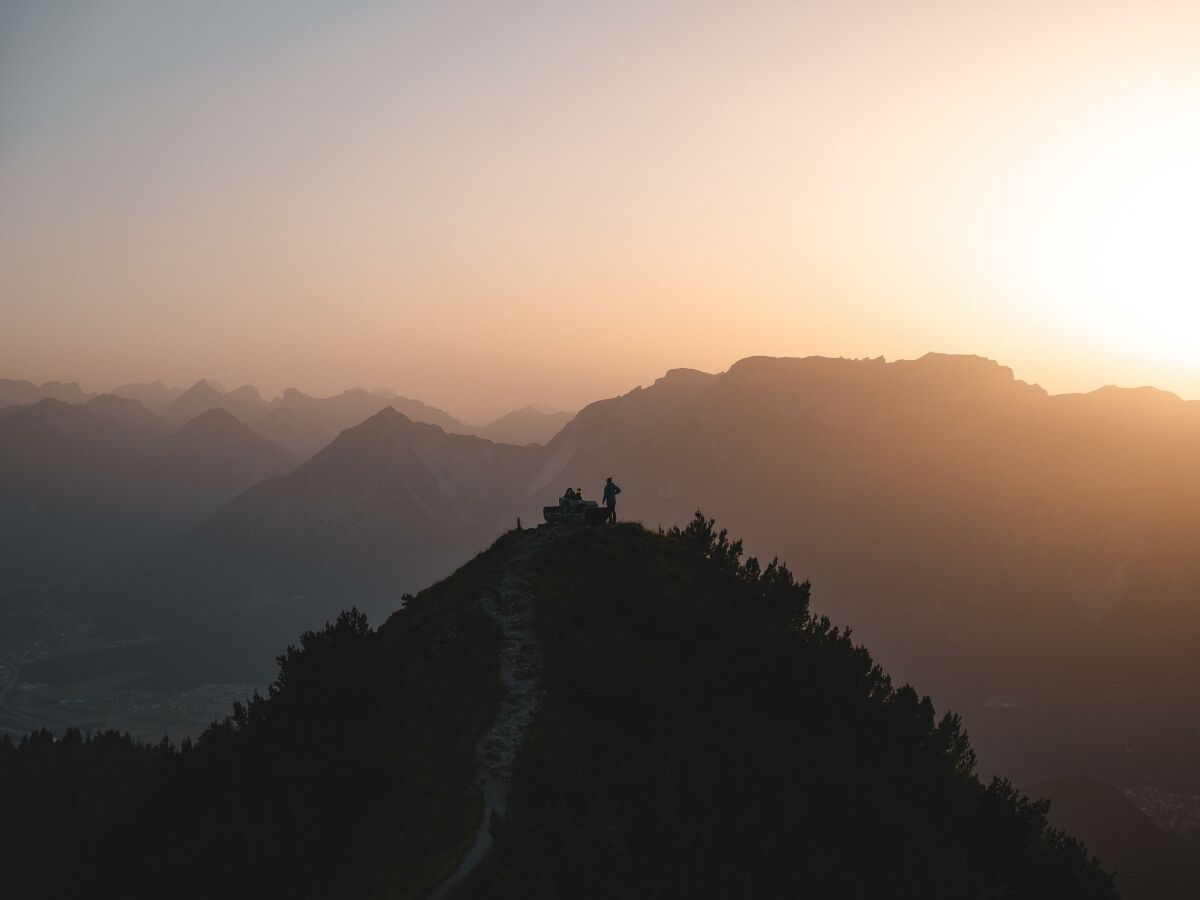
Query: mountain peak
x,y
22,393
961,364
1113,394
388,417
219,431
378,431
247,393
153,395
201,387
756,368
683,373
69,391
645,675
245,403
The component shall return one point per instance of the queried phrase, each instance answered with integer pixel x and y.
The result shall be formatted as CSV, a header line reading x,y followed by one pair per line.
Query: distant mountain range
x,y
89,480
380,511
1023,555
153,394
127,410
295,420
1029,558
22,393
305,424
525,426
245,403
84,486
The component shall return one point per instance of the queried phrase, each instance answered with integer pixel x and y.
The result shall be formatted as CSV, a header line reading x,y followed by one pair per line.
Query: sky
x,y
484,205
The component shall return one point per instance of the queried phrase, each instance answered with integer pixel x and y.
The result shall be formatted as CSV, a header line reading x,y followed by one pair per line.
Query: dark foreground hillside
x,y
700,735
353,778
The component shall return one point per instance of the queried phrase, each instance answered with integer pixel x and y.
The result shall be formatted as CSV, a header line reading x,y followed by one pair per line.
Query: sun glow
x,y
1101,211
373,196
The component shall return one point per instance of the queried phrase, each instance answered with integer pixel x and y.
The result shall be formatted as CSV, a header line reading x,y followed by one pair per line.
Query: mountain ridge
x,y
987,539
698,732
19,392
82,488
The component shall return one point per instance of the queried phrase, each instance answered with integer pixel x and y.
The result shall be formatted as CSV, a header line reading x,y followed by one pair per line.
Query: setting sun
x,y
1018,181
1103,208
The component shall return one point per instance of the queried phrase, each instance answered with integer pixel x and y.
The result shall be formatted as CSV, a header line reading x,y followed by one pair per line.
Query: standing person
x,y
610,498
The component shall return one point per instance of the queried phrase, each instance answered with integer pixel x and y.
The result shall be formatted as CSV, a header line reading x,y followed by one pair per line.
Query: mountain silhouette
x,y
82,488
349,408
525,426
1028,558
151,394
604,712
127,410
305,424
215,453
287,428
23,393
386,507
295,420
245,403
247,394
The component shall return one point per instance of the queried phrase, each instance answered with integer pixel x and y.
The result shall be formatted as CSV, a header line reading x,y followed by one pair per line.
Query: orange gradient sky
x,y
488,204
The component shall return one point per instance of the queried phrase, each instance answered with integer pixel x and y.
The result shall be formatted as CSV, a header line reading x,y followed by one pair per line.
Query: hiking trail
x,y
510,605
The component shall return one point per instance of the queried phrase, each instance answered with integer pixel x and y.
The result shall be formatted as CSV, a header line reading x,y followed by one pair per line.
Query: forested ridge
x,y
703,734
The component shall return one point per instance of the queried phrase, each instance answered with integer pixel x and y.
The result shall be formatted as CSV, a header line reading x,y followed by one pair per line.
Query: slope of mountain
x,y
127,410
66,475
244,403
699,734
384,508
286,428
151,394
312,422
525,426
295,420
247,394
1029,558
216,455
23,393
1150,863
81,489
349,408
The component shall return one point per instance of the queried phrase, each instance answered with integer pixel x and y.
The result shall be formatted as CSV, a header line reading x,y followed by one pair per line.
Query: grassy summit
x,y
701,735
704,735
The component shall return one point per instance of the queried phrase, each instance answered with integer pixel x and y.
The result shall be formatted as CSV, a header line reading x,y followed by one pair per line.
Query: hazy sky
x,y
496,203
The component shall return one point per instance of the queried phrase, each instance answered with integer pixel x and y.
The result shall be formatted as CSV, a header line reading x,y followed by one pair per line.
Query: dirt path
x,y
511,606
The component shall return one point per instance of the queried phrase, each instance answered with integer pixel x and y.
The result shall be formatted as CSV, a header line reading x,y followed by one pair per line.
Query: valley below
x,y
98,703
